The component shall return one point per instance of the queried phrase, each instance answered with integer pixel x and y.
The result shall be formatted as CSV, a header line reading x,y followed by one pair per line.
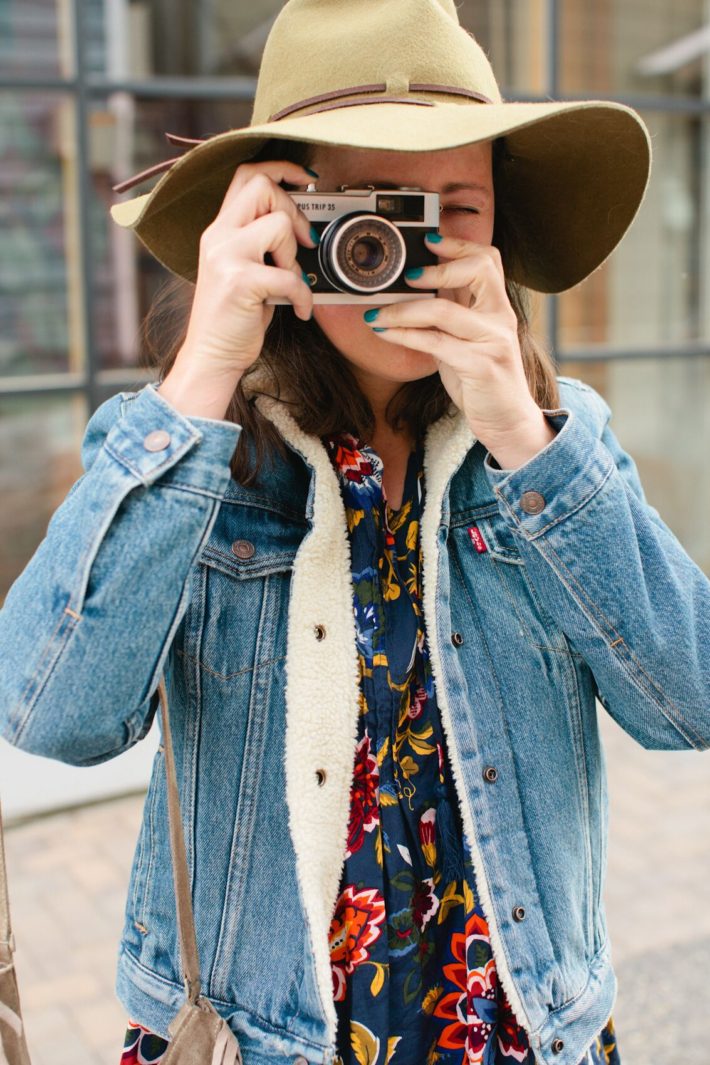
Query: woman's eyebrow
x,y
456,186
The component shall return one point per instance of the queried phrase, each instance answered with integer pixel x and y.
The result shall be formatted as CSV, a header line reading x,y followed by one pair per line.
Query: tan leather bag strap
x,y
6,937
13,1047
13,1042
181,876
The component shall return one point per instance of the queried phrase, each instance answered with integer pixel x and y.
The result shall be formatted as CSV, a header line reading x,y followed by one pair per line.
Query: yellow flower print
x,y
365,1044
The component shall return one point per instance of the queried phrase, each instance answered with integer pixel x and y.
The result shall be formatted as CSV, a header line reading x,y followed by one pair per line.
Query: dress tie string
x,y
447,839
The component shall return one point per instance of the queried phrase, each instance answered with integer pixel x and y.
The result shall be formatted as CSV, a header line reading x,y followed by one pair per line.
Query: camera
x,y
369,237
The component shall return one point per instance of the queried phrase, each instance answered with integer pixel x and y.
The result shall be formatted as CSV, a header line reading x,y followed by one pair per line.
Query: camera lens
x,y
367,254
362,253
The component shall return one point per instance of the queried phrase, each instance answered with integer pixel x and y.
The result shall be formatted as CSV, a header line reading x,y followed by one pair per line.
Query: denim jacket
x,y
544,588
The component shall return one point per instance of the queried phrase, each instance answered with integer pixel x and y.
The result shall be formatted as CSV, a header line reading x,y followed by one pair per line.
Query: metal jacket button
x,y
319,631
456,639
243,548
557,1045
157,440
490,773
518,913
320,777
532,502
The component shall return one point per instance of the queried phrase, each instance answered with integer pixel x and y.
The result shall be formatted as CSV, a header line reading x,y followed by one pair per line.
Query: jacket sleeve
x,y
613,576
87,625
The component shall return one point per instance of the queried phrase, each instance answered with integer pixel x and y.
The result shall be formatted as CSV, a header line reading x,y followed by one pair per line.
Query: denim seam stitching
x,y
169,460
579,743
500,702
590,611
270,505
275,1029
228,676
142,903
209,493
570,1001
71,626
264,560
561,517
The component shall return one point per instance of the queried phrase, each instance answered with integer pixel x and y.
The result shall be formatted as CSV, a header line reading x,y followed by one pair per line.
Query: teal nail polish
x,y
414,272
380,329
309,171
315,235
305,278
433,238
370,316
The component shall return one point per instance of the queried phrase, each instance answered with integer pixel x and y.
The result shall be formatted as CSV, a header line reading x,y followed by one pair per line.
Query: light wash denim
x,y
141,570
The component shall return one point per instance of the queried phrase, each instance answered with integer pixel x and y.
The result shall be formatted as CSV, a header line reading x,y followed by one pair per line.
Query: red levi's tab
x,y
476,538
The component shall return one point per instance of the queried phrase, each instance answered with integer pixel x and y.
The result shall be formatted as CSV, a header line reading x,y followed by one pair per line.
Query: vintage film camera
x,y
369,237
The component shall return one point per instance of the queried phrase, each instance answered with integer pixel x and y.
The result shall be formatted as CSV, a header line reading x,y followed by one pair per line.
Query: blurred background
x,y
87,90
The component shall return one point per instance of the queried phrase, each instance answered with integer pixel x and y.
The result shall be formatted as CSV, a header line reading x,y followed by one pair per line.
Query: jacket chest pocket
x,y
497,576
238,620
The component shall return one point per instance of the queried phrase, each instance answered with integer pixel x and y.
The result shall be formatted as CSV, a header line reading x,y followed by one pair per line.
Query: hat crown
x,y
317,47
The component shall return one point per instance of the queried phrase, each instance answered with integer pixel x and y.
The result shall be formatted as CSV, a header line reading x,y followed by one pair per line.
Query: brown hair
x,y
322,391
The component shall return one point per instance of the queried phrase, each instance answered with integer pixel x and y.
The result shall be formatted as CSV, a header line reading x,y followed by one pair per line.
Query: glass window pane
x,y
29,39
220,38
512,33
128,136
44,436
653,291
660,416
635,46
144,38
40,297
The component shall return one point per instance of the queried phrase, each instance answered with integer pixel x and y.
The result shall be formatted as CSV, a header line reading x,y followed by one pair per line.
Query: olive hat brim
x,y
576,173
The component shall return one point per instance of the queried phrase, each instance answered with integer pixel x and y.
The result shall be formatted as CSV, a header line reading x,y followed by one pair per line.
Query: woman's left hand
x,y
471,330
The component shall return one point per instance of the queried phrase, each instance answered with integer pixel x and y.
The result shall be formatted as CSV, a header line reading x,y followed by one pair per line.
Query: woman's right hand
x,y
229,316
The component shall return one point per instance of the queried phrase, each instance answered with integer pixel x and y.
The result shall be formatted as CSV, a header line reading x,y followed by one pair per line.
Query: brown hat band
x,y
338,94
453,90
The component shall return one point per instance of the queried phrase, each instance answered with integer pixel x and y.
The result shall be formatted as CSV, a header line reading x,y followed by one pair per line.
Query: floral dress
x,y
414,977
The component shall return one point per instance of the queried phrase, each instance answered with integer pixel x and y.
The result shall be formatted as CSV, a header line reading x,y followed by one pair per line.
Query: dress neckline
x,y
354,459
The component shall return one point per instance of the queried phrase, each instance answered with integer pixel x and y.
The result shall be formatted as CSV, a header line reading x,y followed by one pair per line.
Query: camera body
x,y
369,237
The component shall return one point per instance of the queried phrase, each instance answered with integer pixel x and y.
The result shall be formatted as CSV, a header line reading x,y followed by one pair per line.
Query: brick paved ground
x,y
68,875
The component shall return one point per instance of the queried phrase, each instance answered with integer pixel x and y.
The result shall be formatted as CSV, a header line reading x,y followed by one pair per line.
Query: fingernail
x,y
309,171
305,278
315,235
370,316
414,272
378,329
433,238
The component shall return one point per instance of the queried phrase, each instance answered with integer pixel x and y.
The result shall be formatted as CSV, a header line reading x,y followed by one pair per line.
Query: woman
x,y
386,574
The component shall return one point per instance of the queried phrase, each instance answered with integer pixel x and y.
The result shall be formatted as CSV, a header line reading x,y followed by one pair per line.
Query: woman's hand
x,y
471,330
229,314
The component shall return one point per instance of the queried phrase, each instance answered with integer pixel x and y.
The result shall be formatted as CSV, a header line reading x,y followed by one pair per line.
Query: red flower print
x,y
424,903
349,458
472,1008
476,928
440,751
364,796
512,1040
416,706
427,835
354,927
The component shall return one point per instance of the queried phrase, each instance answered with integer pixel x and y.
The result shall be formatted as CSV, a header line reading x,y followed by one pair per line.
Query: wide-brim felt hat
x,y
404,75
